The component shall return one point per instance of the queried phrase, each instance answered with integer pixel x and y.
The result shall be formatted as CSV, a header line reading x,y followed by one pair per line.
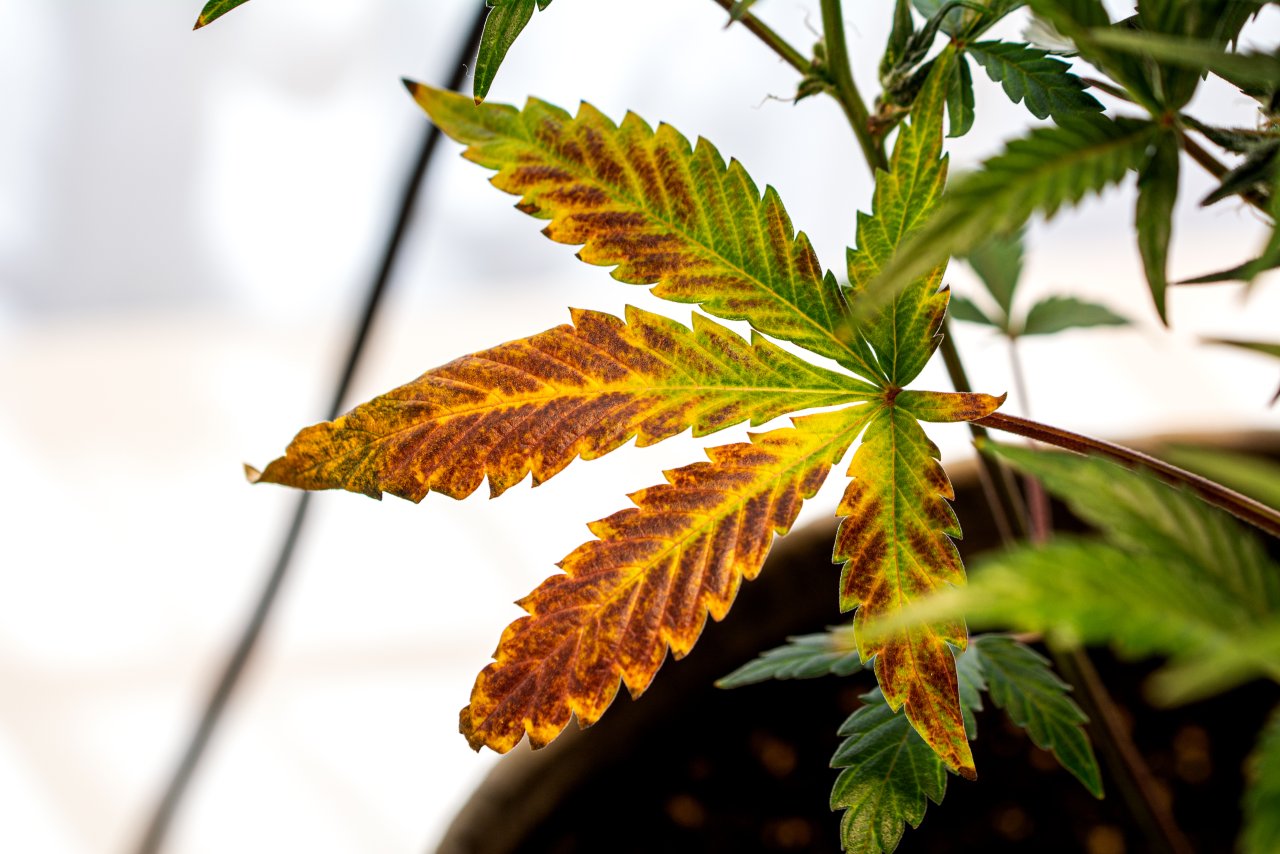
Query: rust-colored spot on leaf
x,y
649,582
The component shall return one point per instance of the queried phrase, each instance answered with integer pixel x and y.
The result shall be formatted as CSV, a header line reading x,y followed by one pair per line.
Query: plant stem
x,y
1255,513
1006,506
1142,794
241,653
1039,510
789,54
855,109
1137,784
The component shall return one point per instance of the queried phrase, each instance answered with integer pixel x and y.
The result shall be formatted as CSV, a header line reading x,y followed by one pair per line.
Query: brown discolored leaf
x,y
665,212
649,581
536,404
895,544
948,406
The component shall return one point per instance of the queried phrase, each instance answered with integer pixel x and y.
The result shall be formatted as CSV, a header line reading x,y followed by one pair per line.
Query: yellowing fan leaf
x,y
649,581
895,544
536,404
664,212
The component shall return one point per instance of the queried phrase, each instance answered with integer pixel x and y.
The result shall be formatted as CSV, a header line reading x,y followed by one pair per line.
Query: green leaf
x,y
888,777
1193,53
899,37
506,20
1264,347
1079,591
1022,683
1142,514
1076,20
963,308
904,331
889,773
1261,833
1256,171
960,99
215,9
1055,314
965,19
1250,655
1046,85
998,263
740,9
1255,476
665,212
1049,168
830,653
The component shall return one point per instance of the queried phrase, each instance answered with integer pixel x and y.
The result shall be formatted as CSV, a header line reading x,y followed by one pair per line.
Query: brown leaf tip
x,y
200,22
251,474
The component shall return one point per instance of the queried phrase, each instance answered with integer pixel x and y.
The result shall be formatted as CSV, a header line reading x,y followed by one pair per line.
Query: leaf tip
x,y
251,474
200,22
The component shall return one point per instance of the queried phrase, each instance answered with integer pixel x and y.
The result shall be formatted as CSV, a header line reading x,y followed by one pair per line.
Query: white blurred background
x,y
187,224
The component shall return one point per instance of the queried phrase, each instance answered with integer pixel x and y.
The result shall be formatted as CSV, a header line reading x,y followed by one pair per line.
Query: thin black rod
x,y
237,660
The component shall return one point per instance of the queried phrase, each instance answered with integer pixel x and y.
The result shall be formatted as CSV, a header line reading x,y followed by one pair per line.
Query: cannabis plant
x,y
1174,570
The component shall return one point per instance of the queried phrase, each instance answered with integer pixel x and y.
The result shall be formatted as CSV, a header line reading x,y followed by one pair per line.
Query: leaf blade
x,y
1057,313
649,582
1022,683
215,9
904,331
536,404
502,26
1032,77
1041,172
895,544
661,212
888,775
830,653
1153,214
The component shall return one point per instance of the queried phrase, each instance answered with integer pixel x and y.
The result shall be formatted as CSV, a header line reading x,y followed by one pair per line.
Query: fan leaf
x,y
1048,168
1030,76
830,653
903,331
664,212
1022,683
895,544
649,581
536,404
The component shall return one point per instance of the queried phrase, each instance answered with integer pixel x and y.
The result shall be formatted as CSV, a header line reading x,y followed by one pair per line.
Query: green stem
x,y
777,43
1242,507
855,109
